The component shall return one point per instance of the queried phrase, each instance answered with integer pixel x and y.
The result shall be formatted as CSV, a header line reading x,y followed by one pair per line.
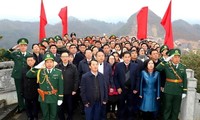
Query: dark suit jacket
x,y
107,72
38,58
83,67
57,58
78,57
119,76
70,77
87,88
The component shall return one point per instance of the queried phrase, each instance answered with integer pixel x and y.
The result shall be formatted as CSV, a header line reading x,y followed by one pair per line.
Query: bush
x,y
2,58
192,61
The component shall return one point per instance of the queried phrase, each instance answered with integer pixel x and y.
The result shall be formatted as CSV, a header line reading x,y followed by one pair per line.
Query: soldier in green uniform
x,y
50,87
163,51
176,84
18,54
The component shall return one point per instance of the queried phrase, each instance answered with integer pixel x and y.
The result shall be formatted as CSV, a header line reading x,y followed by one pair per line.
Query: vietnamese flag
x,y
167,24
142,18
43,22
63,16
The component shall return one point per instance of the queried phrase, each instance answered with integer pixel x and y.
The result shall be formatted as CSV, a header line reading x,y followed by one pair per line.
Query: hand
x,y
162,89
59,102
111,90
104,103
183,95
135,91
119,90
87,105
15,47
73,92
140,96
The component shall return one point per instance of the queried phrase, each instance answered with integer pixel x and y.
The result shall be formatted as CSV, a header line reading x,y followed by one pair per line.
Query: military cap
x,y
51,39
29,55
72,34
112,37
174,52
41,46
164,47
48,56
57,37
22,41
45,40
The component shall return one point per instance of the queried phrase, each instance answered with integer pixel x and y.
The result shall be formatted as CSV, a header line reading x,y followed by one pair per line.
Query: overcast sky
x,y
104,10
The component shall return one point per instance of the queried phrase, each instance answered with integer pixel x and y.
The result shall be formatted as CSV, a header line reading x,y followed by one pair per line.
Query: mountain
x,y
13,30
154,27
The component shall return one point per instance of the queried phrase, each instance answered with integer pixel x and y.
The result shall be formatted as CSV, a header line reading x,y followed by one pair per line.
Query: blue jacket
x,y
107,72
119,76
149,90
83,67
87,88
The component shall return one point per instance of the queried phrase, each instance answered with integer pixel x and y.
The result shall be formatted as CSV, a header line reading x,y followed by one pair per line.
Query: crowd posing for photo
x,y
104,77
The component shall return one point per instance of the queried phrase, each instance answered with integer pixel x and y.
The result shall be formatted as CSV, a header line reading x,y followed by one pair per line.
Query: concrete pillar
x,y
188,103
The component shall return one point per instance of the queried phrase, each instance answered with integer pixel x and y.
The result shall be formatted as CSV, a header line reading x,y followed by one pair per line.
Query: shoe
x,y
18,111
113,115
108,115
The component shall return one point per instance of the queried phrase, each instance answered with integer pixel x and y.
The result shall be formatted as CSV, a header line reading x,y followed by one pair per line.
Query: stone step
x,y
7,111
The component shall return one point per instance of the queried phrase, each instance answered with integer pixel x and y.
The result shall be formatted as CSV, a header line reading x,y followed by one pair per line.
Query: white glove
x,y
59,102
183,95
169,58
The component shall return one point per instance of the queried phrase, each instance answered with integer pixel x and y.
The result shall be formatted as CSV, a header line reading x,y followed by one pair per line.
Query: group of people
x,y
107,77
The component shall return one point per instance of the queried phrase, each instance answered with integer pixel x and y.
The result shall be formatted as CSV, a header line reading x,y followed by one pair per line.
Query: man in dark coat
x,y
126,79
93,92
29,90
70,77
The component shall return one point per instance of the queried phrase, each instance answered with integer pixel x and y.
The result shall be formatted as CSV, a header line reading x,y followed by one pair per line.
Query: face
x,y
144,46
106,49
65,58
53,49
71,58
117,48
127,58
112,45
154,55
59,43
49,64
134,55
73,49
36,49
150,65
45,44
116,57
82,49
100,57
30,61
141,52
94,66
164,52
95,50
111,60
88,54
23,47
176,59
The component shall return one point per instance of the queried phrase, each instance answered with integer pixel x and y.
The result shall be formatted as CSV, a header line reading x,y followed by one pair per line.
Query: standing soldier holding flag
x,y
50,86
175,87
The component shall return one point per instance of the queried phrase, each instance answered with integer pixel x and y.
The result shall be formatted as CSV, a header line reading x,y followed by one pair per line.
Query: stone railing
x,y
7,85
190,108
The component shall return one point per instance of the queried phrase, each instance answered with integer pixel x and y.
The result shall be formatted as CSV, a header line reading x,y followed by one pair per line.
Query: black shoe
x,y
18,111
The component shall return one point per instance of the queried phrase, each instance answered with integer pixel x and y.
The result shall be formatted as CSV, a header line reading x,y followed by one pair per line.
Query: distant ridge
x,y
13,30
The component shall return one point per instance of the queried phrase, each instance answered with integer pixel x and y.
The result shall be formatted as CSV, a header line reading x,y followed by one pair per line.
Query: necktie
x,y
49,71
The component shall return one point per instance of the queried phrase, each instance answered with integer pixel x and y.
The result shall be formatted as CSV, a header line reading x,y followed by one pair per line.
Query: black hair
x,y
126,52
91,62
146,65
34,45
52,46
151,50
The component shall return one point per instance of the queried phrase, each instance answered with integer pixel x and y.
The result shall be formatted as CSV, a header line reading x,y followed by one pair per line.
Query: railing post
x,y
188,103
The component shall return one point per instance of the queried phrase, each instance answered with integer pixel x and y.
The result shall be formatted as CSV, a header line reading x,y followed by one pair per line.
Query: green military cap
x,y
45,40
57,37
48,56
51,39
174,52
164,47
112,37
22,41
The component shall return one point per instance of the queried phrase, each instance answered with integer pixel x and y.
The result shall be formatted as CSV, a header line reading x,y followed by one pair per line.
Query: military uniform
x,y
175,86
19,62
49,103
